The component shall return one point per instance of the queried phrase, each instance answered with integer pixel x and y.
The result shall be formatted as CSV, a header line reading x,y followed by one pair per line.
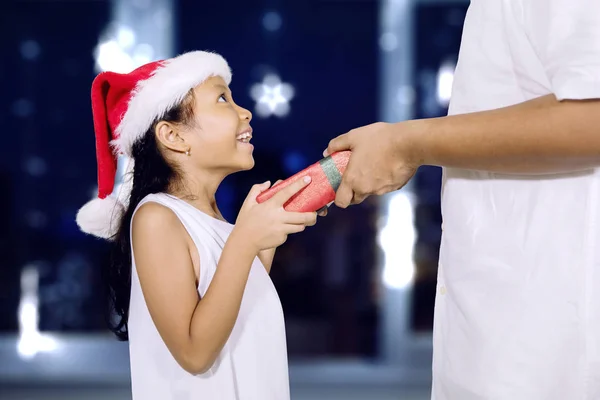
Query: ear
x,y
168,135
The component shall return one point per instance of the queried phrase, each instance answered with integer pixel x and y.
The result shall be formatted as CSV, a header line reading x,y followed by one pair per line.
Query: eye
x,y
222,98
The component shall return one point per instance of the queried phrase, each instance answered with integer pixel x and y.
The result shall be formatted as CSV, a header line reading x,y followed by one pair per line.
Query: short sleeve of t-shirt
x,y
566,37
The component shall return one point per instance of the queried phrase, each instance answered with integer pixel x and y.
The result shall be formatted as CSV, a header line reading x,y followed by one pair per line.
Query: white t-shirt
x,y
518,306
253,363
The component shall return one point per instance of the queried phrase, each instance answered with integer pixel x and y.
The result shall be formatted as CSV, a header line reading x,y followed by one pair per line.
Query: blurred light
x,y
388,41
30,50
294,162
405,95
123,187
35,166
143,54
31,344
23,108
142,3
162,18
31,341
125,37
111,57
272,96
272,21
120,53
397,239
445,78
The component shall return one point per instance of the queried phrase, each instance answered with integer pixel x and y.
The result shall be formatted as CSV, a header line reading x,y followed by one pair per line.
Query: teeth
x,y
244,137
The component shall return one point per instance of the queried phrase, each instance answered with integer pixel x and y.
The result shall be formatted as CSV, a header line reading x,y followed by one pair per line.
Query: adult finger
x,y
344,195
323,211
340,143
359,198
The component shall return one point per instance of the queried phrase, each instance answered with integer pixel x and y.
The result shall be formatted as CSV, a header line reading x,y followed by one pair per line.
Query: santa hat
x,y
124,106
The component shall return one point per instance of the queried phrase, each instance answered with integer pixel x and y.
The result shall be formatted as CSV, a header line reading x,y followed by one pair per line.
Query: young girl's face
x,y
220,136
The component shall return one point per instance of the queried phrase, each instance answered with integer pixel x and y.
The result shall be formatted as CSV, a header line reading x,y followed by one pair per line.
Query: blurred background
x,y
358,289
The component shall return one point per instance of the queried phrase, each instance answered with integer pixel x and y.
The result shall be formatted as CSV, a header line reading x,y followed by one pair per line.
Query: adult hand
x,y
383,160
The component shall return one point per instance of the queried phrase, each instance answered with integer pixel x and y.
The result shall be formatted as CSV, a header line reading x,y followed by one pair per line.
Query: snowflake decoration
x,y
272,97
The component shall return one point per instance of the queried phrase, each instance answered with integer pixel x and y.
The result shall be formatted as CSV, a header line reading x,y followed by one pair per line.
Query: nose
x,y
245,114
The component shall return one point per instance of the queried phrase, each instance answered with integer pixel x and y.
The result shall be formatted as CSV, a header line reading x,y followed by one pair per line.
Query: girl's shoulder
x,y
152,215
161,198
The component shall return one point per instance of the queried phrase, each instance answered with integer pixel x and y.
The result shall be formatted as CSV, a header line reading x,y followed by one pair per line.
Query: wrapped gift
x,y
326,176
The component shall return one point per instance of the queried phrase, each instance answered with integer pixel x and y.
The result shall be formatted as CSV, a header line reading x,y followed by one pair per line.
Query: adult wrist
x,y
411,141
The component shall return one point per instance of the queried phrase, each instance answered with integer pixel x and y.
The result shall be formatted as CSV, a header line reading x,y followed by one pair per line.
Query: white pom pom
x,y
101,217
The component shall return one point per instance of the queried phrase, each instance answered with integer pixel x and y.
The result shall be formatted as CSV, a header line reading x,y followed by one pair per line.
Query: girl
x,y
191,292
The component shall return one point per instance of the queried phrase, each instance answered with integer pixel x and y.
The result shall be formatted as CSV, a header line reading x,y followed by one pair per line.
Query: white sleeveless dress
x,y
253,363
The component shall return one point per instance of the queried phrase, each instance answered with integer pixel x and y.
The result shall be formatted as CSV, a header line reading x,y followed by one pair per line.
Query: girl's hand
x,y
267,225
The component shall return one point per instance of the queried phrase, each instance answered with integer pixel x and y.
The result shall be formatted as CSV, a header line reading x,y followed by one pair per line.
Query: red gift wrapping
x,y
326,176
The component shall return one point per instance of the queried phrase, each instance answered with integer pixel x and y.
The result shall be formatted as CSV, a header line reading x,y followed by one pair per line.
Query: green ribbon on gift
x,y
331,172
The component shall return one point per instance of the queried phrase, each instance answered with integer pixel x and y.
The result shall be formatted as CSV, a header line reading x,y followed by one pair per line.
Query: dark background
x,y
329,52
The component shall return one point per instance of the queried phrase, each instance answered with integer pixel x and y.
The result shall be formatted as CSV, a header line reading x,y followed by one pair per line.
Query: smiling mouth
x,y
245,136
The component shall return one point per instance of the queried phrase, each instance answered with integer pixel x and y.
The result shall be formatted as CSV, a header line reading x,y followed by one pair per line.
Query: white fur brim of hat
x,y
165,89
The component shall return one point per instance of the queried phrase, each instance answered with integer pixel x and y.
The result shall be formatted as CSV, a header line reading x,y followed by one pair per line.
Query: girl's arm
x,y
194,331
266,257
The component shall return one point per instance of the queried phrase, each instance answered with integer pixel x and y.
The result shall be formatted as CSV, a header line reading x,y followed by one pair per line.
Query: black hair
x,y
152,173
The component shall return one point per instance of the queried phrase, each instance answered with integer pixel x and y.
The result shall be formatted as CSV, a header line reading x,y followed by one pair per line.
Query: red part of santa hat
x,y
124,106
